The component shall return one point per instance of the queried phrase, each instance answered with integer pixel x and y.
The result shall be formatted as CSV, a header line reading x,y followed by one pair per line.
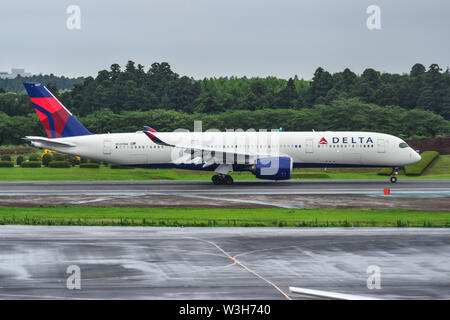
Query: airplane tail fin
x,y
58,122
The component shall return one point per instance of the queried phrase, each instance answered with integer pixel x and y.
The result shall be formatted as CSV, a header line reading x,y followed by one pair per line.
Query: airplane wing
x,y
202,154
328,294
45,142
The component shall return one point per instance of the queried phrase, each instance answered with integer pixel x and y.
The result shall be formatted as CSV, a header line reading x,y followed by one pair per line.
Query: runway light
x,y
387,191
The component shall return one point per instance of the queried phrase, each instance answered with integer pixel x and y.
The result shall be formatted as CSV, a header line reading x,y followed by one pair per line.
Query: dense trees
x,y
133,89
160,88
125,98
15,85
341,114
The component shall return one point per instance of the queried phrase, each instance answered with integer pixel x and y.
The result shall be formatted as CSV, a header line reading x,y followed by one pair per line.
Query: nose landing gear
x,y
222,179
394,175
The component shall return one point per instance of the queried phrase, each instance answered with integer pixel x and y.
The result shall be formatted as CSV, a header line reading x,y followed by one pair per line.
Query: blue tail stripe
x,y
74,128
37,90
50,118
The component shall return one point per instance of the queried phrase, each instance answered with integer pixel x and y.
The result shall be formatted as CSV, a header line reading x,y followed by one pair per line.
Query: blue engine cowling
x,y
273,168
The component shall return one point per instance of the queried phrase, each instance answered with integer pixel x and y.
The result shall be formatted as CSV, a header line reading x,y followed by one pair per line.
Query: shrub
x,y
385,172
34,157
74,161
310,176
6,164
31,164
59,164
90,165
6,157
117,166
19,160
83,160
59,157
46,159
418,168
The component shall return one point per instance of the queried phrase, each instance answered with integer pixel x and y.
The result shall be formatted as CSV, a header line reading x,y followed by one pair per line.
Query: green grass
x,y
101,174
439,166
107,174
418,168
217,217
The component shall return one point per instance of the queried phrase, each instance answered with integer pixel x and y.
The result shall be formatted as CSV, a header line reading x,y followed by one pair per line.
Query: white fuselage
x,y
307,149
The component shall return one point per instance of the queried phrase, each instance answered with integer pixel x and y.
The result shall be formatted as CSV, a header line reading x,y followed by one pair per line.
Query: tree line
x,y
135,89
125,99
16,84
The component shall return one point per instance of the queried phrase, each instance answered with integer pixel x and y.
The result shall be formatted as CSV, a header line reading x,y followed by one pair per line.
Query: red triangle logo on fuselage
x,y
323,141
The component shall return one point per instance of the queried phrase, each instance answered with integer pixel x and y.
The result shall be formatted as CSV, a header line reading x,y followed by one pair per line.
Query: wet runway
x,y
408,194
221,263
405,186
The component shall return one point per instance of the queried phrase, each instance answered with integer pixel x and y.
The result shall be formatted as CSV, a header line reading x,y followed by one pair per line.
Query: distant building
x,y
14,73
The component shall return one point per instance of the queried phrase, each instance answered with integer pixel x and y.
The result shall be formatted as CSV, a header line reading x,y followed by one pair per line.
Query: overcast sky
x,y
203,38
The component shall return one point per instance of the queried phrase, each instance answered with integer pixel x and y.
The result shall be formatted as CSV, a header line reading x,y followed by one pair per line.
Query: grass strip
x,y
219,217
108,174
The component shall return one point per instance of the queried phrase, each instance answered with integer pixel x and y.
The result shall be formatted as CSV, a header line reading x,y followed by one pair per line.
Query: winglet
x,y
150,133
149,129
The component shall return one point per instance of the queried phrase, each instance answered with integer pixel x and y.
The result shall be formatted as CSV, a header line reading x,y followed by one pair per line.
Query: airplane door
x,y
106,146
309,146
380,146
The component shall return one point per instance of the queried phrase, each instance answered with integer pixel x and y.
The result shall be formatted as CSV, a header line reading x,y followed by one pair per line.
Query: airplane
x,y
270,155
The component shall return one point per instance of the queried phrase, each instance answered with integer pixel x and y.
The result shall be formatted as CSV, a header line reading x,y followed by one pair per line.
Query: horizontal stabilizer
x,y
41,142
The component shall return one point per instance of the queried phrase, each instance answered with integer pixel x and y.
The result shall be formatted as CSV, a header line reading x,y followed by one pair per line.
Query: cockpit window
x,y
403,145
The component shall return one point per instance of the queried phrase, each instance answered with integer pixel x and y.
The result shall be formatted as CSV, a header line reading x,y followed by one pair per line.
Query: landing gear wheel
x,y
216,179
222,179
393,179
228,180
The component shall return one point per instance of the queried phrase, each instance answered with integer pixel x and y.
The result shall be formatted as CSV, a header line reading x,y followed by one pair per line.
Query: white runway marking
x,y
273,204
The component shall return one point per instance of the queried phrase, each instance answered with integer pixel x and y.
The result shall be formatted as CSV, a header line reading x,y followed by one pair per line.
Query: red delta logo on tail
x,y
323,141
58,122
150,132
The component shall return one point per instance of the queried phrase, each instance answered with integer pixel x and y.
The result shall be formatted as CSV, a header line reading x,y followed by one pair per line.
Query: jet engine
x,y
273,168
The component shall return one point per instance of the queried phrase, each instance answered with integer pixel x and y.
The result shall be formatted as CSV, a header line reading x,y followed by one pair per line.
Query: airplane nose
x,y
415,156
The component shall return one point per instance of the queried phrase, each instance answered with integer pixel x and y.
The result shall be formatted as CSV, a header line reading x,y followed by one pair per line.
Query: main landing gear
x,y
222,179
394,175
